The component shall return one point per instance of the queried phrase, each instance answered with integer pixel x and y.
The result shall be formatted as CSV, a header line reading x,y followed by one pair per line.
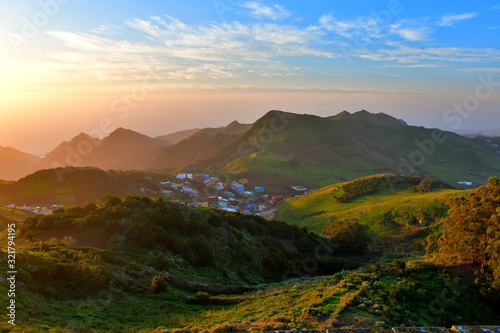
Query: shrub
x,y
400,266
69,241
358,188
202,297
348,236
158,284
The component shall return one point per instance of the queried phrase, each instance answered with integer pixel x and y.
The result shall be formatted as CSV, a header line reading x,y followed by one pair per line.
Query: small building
x,y
176,186
186,189
234,202
247,194
181,176
212,199
238,188
277,198
258,189
300,189
262,208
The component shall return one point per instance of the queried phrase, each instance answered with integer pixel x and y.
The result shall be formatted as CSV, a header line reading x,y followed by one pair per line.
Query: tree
x,y
348,236
425,185
472,234
202,297
69,241
158,284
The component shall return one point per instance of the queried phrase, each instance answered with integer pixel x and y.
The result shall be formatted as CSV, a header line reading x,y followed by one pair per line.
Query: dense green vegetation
x,y
472,235
358,188
227,247
166,266
73,186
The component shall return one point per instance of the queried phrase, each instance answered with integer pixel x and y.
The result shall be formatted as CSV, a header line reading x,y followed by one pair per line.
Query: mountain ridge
x,y
15,163
284,148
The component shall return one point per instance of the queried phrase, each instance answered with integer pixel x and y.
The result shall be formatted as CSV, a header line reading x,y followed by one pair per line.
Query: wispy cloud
x,y
411,66
259,10
450,20
480,70
108,29
410,55
368,29
412,34
182,51
388,74
362,28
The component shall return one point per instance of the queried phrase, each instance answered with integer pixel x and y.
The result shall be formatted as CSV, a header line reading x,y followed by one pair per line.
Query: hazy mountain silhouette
x,y
15,164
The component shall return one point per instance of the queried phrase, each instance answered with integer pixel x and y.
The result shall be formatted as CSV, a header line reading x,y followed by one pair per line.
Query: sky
x,y
156,67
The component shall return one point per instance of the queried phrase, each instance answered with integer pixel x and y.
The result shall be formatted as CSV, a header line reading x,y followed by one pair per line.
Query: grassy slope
x,y
391,202
375,295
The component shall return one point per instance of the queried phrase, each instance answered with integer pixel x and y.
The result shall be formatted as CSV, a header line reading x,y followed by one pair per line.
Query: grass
x,y
387,211
371,296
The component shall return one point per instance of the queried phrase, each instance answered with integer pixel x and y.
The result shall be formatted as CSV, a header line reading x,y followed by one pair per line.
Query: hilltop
x,y
380,119
200,145
72,186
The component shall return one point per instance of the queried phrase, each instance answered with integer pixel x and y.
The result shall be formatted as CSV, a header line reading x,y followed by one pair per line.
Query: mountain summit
x,y
380,119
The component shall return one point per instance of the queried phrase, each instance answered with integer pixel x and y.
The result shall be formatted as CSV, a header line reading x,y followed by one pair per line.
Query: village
x,y
36,209
204,190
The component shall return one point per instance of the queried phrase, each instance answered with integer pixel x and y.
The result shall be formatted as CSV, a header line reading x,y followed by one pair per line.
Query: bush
x,y
69,241
202,297
400,266
158,284
358,188
348,236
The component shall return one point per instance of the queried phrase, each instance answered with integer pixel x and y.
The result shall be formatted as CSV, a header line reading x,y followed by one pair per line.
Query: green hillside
x,y
285,149
390,210
72,186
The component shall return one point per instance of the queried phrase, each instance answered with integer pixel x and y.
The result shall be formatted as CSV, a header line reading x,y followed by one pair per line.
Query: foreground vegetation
x,y
165,266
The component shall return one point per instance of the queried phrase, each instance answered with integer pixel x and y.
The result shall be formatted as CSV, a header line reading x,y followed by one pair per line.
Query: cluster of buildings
x,y
43,210
237,196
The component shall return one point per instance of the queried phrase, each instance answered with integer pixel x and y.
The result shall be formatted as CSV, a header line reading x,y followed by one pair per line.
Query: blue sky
x,y
411,59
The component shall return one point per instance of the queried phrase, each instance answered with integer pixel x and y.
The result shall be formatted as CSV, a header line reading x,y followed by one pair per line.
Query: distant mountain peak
x,y
233,123
380,118
124,132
